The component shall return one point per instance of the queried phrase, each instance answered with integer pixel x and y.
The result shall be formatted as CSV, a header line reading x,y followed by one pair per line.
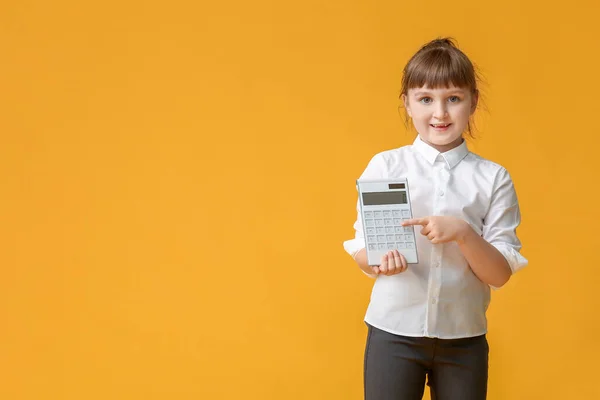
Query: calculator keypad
x,y
384,231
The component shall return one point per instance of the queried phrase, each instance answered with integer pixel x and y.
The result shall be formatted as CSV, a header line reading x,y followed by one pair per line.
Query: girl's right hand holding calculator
x,y
392,263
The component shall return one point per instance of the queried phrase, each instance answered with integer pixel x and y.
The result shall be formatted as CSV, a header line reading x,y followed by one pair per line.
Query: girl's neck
x,y
445,147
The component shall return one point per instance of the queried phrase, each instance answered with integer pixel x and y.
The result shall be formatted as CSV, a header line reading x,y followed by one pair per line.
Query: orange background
x,y
177,179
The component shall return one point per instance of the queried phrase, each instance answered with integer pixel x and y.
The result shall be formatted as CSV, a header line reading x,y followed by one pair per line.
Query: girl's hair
x,y
437,64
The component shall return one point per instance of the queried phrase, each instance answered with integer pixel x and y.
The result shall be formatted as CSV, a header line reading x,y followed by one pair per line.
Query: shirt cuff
x,y
515,260
353,246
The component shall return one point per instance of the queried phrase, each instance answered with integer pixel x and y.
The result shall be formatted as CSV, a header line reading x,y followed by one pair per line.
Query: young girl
x,y
427,320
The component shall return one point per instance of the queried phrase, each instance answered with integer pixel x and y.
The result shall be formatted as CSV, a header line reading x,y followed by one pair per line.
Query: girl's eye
x,y
425,100
454,99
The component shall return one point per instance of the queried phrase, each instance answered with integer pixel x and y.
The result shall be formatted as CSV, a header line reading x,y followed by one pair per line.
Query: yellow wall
x,y
177,180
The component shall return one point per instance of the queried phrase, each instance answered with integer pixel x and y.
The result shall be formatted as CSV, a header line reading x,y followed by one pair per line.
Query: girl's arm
x,y
361,259
487,263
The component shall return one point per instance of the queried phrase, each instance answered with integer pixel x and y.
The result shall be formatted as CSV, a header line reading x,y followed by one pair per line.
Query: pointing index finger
x,y
415,221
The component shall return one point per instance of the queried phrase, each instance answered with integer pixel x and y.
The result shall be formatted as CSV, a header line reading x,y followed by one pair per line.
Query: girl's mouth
x,y
440,127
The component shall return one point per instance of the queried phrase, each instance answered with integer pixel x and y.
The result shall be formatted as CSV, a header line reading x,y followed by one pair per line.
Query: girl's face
x,y
441,115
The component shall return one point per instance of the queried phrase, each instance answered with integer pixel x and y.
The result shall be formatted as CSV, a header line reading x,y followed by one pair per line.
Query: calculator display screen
x,y
379,198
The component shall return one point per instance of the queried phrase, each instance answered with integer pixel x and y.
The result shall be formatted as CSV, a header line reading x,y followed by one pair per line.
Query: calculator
x,y
384,205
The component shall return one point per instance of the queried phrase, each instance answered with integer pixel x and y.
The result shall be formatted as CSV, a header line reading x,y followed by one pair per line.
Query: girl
x,y
427,320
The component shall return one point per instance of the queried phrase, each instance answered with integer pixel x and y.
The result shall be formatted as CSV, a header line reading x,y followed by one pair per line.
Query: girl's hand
x,y
440,229
392,263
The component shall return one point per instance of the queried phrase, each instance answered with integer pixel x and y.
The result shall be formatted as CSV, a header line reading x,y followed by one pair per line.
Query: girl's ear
x,y
406,106
474,101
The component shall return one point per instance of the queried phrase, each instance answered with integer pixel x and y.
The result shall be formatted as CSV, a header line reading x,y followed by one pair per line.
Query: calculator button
x,y
370,222
371,239
387,213
400,245
372,246
381,246
400,238
408,229
390,238
409,238
380,230
389,229
405,213
397,213
391,246
398,229
388,221
378,214
381,238
368,214
397,221
410,245
379,222
370,231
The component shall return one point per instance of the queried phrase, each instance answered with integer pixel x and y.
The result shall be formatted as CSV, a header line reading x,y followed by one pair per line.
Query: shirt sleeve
x,y
501,222
376,169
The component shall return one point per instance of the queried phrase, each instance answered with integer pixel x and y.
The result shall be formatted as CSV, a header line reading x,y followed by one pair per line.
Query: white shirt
x,y
440,296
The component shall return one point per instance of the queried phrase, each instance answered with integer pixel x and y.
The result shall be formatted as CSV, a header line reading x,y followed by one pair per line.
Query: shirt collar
x,y
452,157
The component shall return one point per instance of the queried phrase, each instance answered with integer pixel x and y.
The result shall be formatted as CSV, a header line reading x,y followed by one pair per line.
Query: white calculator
x,y
385,204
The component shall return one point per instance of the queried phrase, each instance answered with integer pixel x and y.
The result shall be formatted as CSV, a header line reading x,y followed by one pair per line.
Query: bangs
x,y
440,68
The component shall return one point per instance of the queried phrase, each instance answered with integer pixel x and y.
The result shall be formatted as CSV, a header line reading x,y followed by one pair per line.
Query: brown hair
x,y
437,64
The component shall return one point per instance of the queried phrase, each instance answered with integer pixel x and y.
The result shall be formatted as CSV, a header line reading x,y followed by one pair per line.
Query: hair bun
x,y
441,42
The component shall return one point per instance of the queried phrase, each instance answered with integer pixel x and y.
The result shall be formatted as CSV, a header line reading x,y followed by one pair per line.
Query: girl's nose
x,y
440,112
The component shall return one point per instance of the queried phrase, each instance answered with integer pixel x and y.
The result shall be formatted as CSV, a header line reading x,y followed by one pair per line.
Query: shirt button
x,y
441,193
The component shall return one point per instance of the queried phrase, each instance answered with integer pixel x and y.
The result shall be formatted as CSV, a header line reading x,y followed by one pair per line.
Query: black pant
x,y
396,367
